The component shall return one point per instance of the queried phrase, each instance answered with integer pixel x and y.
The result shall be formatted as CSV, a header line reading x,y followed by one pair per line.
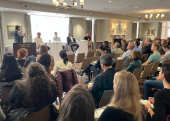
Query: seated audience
x,y
116,49
161,98
106,43
103,81
21,55
10,70
158,41
43,49
154,40
77,105
167,53
124,45
128,54
141,43
137,43
147,48
125,105
163,42
38,90
96,68
155,57
62,65
137,63
72,42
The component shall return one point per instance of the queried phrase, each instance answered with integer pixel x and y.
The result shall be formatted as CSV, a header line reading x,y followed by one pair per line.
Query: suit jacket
x,y
133,65
69,40
102,82
147,49
17,37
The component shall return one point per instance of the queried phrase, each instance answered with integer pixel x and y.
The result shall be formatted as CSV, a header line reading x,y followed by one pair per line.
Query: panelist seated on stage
x,y
21,55
17,37
56,38
39,41
72,42
87,37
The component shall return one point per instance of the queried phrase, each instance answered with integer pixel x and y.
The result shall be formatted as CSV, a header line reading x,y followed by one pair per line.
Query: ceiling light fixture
x,y
109,1
154,16
62,4
136,7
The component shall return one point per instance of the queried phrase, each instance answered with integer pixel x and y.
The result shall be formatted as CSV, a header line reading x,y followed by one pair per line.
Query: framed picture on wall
x,y
150,32
10,31
119,29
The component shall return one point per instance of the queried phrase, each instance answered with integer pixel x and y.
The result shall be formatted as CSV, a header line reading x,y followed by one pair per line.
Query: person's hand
x,y
118,58
73,43
24,34
147,106
151,100
90,85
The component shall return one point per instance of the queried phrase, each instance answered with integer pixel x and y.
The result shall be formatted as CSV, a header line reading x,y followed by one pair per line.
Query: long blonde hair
x,y
127,94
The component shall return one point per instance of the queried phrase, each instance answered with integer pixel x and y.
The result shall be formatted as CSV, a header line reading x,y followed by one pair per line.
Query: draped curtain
x,y
28,28
134,29
159,30
71,26
95,32
2,45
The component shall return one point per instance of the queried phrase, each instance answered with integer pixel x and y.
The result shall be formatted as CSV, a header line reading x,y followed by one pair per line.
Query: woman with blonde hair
x,y
125,105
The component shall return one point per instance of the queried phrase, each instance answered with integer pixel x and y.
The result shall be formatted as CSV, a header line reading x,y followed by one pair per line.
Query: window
x,y
48,25
165,30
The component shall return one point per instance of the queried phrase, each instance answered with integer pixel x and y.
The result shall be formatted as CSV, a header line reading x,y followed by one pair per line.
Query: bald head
x,y
69,34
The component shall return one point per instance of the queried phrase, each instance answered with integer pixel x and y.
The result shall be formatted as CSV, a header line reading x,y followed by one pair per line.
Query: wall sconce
x,y
113,27
125,27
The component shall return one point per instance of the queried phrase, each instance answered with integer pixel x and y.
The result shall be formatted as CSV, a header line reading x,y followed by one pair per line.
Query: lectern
x,y
31,47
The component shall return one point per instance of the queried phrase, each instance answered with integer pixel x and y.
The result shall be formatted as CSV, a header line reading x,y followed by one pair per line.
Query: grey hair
x,y
132,44
117,44
106,59
148,39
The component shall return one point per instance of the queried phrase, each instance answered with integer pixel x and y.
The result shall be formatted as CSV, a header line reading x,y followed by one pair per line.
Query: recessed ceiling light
x,y
136,7
109,1
38,1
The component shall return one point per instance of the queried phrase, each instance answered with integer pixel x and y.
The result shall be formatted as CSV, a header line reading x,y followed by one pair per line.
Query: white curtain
x,y
2,45
28,28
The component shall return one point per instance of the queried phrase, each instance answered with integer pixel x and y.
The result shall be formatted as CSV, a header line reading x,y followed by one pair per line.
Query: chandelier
x,y
154,16
62,4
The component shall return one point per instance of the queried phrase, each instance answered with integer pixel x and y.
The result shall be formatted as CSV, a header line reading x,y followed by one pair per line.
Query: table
x,y
55,48
83,47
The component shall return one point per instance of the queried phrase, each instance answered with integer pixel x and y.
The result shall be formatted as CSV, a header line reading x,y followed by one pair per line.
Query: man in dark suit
x,y
17,37
96,68
72,42
147,48
108,49
103,81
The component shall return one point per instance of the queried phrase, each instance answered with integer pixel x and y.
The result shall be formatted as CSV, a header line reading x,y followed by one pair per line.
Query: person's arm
x,y
166,56
55,69
16,37
145,50
146,63
130,67
68,42
94,89
97,65
123,56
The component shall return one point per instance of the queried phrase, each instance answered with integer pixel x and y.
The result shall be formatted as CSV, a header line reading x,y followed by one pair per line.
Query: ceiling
x,y
136,8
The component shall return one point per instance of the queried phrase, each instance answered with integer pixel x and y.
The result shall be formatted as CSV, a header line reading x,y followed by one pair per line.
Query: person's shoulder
x,y
161,93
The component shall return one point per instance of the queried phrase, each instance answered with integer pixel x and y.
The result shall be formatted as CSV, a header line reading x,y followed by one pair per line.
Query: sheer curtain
x,y
2,45
165,30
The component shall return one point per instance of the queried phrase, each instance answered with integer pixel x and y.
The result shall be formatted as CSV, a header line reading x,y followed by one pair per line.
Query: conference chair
x,y
85,63
71,58
116,55
90,54
119,65
145,57
137,73
129,61
154,68
106,98
80,57
95,58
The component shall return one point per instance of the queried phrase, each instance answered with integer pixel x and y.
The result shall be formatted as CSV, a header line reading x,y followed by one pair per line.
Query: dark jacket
x,y
17,37
125,47
102,82
23,63
147,49
133,65
108,50
69,40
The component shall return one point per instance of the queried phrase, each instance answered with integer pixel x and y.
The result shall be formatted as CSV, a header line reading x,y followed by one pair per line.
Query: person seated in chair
x,y
137,43
72,42
155,57
103,81
116,49
147,48
88,38
108,50
95,68
167,54
124,45
163,42
21,55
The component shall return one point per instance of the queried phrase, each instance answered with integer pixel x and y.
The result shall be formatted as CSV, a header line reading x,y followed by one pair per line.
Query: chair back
x,y
5,93
42,115
52,66
97,52
146,71
106,98
86,62
129,61
119,65
95,58
154,68
90,54
116,55
145,57
25,72
166,62
137,73
71,58
80,57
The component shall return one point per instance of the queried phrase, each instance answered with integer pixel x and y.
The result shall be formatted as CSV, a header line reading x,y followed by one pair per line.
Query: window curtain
x,y
71,26
95,33
28,28
159,30
2,45
134,29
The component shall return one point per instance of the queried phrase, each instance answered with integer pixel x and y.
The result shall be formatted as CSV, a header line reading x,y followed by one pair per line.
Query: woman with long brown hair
x,y
78,105
36,91
125,105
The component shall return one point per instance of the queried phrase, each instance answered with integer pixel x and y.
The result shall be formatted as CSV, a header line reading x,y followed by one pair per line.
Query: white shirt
x,y
60,66
166,56
39,41
58,39
71,39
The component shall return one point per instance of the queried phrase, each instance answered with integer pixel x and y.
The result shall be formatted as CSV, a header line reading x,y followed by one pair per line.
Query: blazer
x,y
69,40
17,37
133,65
102,82
147,49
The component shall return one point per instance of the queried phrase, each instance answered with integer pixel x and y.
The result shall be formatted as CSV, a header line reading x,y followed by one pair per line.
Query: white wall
x,y
144,26
11,18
